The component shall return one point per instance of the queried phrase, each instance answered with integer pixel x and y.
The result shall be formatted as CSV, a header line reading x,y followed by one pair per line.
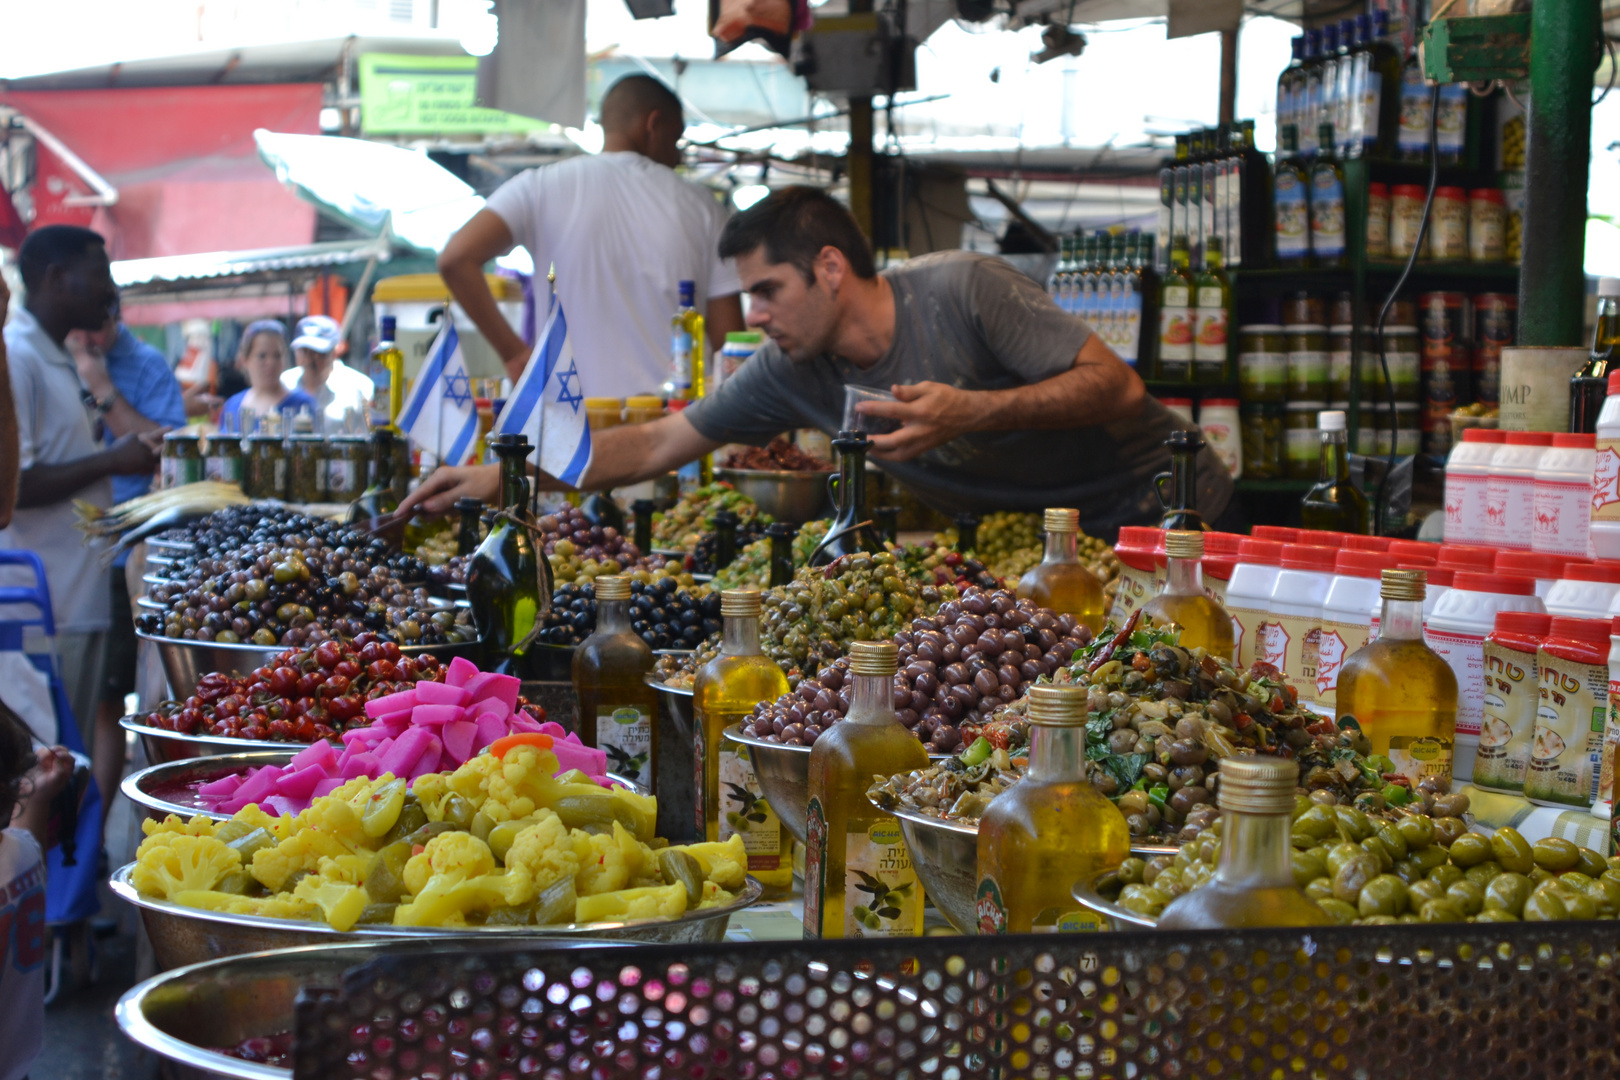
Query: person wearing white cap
x,y
340,392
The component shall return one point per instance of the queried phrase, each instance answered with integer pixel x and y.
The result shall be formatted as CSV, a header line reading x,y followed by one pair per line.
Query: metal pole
x,y
1564,50
1229,59
860,148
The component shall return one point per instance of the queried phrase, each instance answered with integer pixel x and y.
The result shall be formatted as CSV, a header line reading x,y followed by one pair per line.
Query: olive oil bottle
x,y
377,501
853,530
618,711
1401,692
858,877
1060,581
1254,880
1335,503
508,572
1176,315
729,800
1183,602
470,512
1050,830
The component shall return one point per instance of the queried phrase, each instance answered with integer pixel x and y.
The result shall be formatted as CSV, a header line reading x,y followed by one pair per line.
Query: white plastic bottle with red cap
x,y
1352,603
1605,527
1584,590
1563,496
1456,630
1466,476
1289,638
1510,490
1545,569
1137,570
1248,594
1220,559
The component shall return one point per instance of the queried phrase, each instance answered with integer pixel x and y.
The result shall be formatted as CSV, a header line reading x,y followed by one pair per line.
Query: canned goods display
x,y
1377,221
1496,326
1262,363
1445,318
1303,440
347,457
1448,224
1308,363
182,460
1303,309
1261,427
223,459
1341,341
1403,360
1487,225
1406,220
1373,436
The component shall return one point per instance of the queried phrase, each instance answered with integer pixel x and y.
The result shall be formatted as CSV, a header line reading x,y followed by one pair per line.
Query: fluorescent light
x,y
749,194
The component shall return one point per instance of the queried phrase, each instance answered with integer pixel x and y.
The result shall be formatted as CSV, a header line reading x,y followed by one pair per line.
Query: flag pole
x,y
534,495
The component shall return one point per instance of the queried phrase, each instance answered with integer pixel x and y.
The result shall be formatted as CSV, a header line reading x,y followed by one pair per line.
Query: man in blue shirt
x,y
135,391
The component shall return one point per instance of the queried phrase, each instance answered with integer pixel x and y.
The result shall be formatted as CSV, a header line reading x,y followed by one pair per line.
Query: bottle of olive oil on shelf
x,y
1254,880
1212,299
1049,830
858,877
1401,692
1176,315
1291,202
1060,581
617,709
1335,503
782,535
1183,602
1327,203
729,800
507,571
1180,511
853,529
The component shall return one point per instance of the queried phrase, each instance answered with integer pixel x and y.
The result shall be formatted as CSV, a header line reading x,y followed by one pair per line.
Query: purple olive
x,y
778,726
951,706
1003,602
926,683
1008,694
975,602
1031,670
954,674
962,633
1009,675
966,694
811,734
918,700
985,682
1012,641
950,652
989,643
946,737
908,717
793,733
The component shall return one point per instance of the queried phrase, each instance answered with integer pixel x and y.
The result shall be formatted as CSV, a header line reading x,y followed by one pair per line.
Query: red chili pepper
x,y
1106,653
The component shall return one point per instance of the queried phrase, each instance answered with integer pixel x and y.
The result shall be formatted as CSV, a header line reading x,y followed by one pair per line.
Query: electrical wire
x,y
1608,45
1380,507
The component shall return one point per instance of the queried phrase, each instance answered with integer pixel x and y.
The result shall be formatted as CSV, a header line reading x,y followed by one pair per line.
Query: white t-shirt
x,y
54,427
623,232
22,952
347,394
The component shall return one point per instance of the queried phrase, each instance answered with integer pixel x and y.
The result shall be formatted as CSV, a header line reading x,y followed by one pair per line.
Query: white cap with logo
x,y
318,332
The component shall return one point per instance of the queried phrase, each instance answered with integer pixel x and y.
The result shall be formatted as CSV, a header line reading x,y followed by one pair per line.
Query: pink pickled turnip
x,y
362,765
282,806
460,670
300,785
458,739
327,786
223,787
488,728
404,700
319,752
391,724
403,752
492,706
434,693
489,684
437,715
260,784
430,761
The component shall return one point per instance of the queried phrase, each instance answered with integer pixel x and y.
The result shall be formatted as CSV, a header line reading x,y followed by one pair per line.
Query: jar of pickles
x,y
1448,226
182,460
1261,428
1262,363
1302,449
223,461
1340,357
1377,221
1403,360
306,469
346,459
603,412
266,467
1307,362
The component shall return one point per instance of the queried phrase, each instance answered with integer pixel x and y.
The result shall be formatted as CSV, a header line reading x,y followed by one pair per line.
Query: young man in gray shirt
x,y
1005,401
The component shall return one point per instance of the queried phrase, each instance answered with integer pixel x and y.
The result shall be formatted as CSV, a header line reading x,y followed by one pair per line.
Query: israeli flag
x,y
440,415
548,406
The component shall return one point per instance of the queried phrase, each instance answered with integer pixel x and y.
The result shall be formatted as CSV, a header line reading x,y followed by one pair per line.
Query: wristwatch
x,y
104,406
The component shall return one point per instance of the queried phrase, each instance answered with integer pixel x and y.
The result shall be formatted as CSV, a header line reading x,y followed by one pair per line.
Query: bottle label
x,y
1298,636
1234,213
1421,757
1465,653
340,478
1570,720
1413,137
1563,515
991,911
1327,213
1511,692
281,475
1611,745
1338,374
1262,372
700,775
1469,516
1130,331
1175,324
1372,96
881,895
223,468
1248,629
1452,121
1509,511
1606,481
1209,341
1307,376
1167,196
1336,642
744,811
815,866
1135,589
680,348
624,734
1293,216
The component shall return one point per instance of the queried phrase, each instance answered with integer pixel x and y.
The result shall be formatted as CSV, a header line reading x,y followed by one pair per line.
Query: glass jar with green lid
x,y
306,469
266,467
223,460
1303,443
346,460
1307,363
182,460
1262,363
1262,430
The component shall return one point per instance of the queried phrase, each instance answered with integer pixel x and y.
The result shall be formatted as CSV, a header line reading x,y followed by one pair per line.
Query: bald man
x,y
623,232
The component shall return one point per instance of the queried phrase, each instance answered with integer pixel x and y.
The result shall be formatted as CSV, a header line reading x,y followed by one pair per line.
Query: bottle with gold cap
x,y
1401,692
1060,581
1183,602
1049,830
1254,881
729,800
858,877
617,709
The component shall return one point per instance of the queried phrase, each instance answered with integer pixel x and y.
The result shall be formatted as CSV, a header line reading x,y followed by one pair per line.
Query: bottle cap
x,y
1609,286
1258,785
1364,564
1595,631
1260,552
873,658
741,603
1366,543
1062,521
1529,438
1222,543
1506,584
613,587
1530,564
1057,705
1401,585
1320,538
1330,420
1282,534
1440,577
1309,557
1467,557
1180,544
1614,382
1415,550
1606,572
1530,623
1574,440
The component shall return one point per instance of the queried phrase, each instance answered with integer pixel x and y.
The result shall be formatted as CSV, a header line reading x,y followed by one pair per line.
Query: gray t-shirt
x,y
974,322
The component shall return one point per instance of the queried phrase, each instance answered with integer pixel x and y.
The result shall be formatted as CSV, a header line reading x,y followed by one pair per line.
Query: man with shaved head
x,y
623,232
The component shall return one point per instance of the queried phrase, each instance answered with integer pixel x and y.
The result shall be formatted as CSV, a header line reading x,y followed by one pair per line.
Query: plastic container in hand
x,y
1456,630
1510,490
855,420
1466,476
1563,496
1248,594
1288,641
1605,527
1585,590
1352,602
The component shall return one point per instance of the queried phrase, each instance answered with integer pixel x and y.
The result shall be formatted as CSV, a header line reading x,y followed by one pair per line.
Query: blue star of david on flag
x,y
566,393
545,405
438,415
458,388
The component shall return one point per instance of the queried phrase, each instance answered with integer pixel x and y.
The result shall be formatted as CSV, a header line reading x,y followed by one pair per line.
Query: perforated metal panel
x,y
1533,1000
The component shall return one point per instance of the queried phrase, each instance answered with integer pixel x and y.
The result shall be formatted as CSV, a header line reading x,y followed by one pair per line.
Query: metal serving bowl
x,y
787,495
184,662
188,1015
173,547
784,777
182,935
679,703
1120,918
164,746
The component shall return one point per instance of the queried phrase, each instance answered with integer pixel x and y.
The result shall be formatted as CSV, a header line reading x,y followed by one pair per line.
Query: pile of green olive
x,y
1375,871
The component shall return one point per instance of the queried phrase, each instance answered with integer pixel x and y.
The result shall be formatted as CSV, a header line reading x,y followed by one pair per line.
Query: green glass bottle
x,y
377,501
1335,503
1212,300
468,534
507,581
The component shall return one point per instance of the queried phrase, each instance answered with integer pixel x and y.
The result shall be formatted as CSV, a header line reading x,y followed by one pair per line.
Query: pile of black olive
x,y
956,667
236,527
664,615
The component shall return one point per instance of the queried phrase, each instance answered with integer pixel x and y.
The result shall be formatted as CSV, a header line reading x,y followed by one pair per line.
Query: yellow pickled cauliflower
x,y
514,787
607,863
725,864
544,851
172,825
657,902
454,875
180,863
283,906
341,903
328,829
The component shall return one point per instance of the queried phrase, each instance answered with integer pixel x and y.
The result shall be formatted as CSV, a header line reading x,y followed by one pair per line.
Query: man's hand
x,y
92,364
931,413
439,492
137,453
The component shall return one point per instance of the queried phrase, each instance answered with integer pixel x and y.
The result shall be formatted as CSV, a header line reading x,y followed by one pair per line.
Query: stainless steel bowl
x,y
787,495
784,777
184,662
679,703
154,578
175,547
163,746
182,935
189,1014
1085,892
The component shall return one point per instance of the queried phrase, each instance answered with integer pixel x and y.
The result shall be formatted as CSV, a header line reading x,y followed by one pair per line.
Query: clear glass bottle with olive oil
x,y
1048,831
1254,879
618,711
730,801
1183,602
1060,581
1401,692
507,571
858,877
1335,503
